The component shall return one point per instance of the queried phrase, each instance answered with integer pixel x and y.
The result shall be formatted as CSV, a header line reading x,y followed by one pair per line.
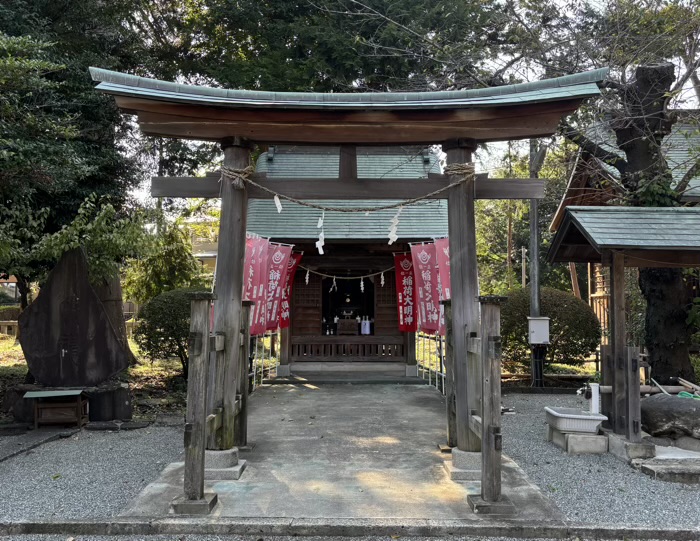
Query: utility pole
x,y
539,351
523,266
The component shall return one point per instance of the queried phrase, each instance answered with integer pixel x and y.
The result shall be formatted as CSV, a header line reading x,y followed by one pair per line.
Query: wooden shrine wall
x,y
386,317
307,306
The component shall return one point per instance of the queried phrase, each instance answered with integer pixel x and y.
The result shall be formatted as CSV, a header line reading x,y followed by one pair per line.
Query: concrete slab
x,y
674,471
231,473
226,458
628,451
183,506
346,452
586,444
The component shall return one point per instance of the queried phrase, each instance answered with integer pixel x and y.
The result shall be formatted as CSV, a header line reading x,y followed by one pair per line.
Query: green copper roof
x,y
681,149
625,228
296,222
580,86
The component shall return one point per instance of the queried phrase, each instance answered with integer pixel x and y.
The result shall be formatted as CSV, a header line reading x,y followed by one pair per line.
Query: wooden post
x,y
618,343
465,317
229,287
490,334
240,433
283,370
195,421
410,348
574,280
606,378
634,409
450,377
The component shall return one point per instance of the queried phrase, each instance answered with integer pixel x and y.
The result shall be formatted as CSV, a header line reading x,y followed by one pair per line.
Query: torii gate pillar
x,y
465,289
227,307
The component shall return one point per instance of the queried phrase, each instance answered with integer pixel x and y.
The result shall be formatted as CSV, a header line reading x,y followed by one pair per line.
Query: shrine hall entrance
x,y
339,318
347,307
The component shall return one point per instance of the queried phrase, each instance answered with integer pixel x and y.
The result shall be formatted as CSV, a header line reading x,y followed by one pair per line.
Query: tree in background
x,y
167,263
503,226
60,139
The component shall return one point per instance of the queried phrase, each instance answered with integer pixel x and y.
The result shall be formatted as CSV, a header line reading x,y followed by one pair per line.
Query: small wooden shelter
x,y
620,237
457,120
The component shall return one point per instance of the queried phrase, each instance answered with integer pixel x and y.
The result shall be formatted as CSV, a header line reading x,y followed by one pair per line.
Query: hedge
x,y
9,313
574,329
164,326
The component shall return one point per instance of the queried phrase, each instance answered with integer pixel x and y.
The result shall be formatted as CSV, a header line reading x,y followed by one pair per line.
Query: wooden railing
x,y
348,348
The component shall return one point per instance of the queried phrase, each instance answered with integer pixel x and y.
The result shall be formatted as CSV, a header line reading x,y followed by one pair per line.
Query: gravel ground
x,y
258,538
95,474
591,488
90,474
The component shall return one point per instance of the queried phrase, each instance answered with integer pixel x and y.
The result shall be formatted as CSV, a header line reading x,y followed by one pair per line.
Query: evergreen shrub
x,y
574,329
164,326
9,313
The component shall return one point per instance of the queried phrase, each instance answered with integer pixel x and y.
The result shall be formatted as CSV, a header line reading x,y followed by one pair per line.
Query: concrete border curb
x,y
341,528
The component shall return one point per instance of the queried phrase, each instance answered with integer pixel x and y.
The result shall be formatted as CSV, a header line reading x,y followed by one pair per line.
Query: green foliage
x,y
107,239
492,217
6,298
574,330
164,326
167,264
9,313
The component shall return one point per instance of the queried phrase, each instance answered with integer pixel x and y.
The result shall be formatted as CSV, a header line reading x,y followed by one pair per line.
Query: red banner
x,y
427,296
442,252
251,277
292,266
405,292
278,258
258,320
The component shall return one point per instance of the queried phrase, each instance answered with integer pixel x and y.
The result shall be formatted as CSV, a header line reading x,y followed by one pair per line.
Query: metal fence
x,y
264,358
430,355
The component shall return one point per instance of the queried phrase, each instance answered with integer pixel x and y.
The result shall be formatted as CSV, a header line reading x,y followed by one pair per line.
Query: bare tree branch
x,y
591,147
689,175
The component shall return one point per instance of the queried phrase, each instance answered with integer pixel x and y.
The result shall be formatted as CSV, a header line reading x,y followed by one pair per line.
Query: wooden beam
x,y
465,318
633,428
450,405
229,286
574,280
348,188
618,342
491,445
348,162
240,432
196,416
355,127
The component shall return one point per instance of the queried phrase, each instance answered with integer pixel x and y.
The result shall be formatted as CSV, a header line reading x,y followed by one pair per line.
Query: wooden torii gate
x,y
239,119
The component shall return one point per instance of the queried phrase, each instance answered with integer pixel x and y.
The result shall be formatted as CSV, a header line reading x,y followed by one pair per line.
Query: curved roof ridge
x,y
579,85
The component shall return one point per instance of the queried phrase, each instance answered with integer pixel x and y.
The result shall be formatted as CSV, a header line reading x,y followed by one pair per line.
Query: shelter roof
x,y
297,223
594,182
648,236
195,112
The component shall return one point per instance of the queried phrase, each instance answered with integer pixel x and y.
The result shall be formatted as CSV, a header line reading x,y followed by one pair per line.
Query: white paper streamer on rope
x,y
320,242
278,203
362,285
306,278
334,286
382,279
393,228
320,220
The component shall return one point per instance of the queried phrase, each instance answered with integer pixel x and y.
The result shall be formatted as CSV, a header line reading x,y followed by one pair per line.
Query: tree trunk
x,y
23,286
667,334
